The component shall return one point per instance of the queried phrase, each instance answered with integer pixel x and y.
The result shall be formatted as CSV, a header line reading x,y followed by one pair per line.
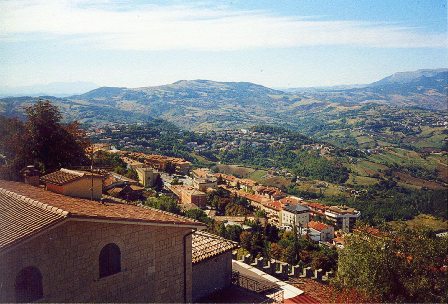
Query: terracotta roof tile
x,y
65,176
319,226
206,245
21,216
276,205
301,299
30,202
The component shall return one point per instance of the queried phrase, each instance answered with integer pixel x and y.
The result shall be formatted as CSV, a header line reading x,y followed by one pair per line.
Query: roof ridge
x,y
75,172
215,236
121,201
169,213
35,203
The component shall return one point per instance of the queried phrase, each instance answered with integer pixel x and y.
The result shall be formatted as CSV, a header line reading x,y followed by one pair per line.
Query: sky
x,y
279,44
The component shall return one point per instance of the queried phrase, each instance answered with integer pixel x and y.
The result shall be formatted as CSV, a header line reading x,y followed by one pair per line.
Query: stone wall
x,y
152,263
284,270
212,275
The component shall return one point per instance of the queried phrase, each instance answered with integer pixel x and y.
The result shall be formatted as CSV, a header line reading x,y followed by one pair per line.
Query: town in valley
x,y
223,152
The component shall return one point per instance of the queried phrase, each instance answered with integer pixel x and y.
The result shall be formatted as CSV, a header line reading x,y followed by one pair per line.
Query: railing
x,y
270,292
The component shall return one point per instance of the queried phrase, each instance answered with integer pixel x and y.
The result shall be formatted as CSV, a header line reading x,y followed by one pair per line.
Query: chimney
x,y
31,175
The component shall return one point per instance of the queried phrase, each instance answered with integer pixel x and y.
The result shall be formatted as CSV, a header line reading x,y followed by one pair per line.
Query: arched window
x,y
110,260
28,285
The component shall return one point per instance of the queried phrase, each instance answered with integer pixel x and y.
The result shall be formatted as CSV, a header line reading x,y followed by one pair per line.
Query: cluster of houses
x,y
224,140
314,219
318,221
66,237
160,162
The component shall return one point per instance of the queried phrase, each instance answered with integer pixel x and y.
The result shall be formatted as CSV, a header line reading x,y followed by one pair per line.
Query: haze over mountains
x,y
58,89
206,104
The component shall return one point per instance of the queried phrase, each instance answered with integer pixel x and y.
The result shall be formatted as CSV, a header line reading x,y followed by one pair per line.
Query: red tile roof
x,y
319,226
206,245
22,202
289,200
315,205
302,298
276,205
21,216
65,176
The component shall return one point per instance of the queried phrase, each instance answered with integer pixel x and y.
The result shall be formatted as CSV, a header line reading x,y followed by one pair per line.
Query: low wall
x,y
211,275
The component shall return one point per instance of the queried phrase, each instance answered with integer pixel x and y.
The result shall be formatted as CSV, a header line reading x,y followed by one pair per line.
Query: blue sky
x,y
275,43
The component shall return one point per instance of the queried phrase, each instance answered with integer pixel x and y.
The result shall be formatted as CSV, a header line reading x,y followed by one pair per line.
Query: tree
x,y
48,143
198,215
246,240
42,140
276,251
164,203
11,147
260,213
233,232
404,266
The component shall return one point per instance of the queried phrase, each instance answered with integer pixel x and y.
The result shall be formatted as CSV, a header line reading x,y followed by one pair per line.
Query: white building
x,y
343,217
320,232
295,215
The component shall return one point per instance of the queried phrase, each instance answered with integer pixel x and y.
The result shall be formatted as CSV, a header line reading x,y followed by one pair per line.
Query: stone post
x,y
247,258
284,269
260,263
295,270
307,272
318,274
267,267
273,267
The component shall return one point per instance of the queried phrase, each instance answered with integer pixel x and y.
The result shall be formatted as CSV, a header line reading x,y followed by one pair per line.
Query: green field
x,y
423,221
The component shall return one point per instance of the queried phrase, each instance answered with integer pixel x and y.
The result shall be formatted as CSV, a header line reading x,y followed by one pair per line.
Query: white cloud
x,y
150,27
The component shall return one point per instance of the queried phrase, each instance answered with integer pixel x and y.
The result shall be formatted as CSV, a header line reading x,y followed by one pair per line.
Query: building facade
x,y
342,217
147,176
76,250
74,183
321,231
295,215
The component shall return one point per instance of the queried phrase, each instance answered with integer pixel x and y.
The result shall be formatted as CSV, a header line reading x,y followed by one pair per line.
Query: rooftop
x,y
296,208
319,226
342,210
276,205
201,172
65,176
206,245
22,216
27,210
157,157
289,200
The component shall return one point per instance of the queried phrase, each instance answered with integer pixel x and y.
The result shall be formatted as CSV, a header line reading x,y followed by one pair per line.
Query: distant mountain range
x,y
58,89
206,104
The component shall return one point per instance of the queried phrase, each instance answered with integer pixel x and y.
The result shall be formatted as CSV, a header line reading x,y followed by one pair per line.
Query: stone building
x,y
203,184
212,264
74,183
189,196
147,176
55,248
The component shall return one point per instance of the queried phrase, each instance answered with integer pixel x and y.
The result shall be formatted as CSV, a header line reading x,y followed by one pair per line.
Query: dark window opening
x,y
110,260
28,285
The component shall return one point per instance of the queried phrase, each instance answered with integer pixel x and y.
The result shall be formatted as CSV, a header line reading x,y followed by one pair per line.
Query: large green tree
x,y
42,140
404,266
49,143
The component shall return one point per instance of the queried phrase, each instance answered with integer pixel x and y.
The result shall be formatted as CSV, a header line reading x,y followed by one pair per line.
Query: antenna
x,y
91,171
